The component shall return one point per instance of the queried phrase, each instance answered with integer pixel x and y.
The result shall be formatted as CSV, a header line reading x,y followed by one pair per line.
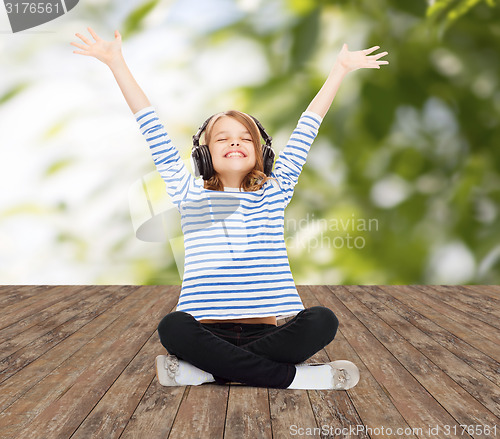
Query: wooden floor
x,y
78,362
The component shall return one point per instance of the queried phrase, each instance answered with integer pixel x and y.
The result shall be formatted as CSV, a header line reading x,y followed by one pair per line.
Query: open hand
x,y
359,59
105,51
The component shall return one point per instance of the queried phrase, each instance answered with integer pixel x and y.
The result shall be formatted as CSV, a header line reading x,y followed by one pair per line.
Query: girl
x,y
237,278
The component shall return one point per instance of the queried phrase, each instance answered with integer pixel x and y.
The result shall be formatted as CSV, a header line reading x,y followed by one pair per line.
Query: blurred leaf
x,y
305,35
53,130
57,166
417,8
13,92
79,246
133,21
442,13
409,163
24,209
302,7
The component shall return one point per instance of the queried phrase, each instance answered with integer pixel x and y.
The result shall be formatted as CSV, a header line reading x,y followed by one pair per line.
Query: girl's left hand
x,y
350,61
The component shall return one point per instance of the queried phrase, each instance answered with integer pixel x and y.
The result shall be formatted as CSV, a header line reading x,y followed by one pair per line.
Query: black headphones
x,y
201,159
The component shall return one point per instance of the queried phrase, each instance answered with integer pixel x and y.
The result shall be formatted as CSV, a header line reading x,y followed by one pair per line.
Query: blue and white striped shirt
x,y
236,263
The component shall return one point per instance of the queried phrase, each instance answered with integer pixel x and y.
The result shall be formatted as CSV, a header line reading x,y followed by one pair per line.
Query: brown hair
x,y
256,178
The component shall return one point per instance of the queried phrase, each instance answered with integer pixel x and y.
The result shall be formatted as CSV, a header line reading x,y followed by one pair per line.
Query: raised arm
x,y
165,155
292,158
110,53
346,62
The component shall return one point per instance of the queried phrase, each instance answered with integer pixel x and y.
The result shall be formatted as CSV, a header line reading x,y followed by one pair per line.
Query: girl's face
x,y
232,150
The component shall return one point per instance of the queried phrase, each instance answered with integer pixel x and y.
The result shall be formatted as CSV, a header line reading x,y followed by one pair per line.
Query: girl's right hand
x,y
105,51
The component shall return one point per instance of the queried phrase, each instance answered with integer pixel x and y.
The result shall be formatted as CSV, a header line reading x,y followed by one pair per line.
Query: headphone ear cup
x,y
207,169
196,164
201,162
268,158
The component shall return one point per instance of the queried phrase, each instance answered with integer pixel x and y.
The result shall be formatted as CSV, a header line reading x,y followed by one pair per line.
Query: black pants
x,y
258,355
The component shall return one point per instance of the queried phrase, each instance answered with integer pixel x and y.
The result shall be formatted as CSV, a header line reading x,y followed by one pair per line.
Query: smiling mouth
x,y
235,155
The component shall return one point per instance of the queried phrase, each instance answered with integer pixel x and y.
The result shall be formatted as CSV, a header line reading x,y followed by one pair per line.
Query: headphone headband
x,y
267,138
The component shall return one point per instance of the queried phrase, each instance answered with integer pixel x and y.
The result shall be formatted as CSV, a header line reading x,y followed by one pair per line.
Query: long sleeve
x,y
291,159
165,155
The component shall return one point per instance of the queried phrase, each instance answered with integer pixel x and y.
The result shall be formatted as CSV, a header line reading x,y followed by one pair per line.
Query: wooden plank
x,y
6,290
203,405
473,357
485,330
110,416
371,402
482,390
480,309
410,296
42,318
202,412
30,344
31,374
10,294
334,410
57,383
452,397
492,291
63,416
155,413
248,413
482,292
291,411
412,400
22,309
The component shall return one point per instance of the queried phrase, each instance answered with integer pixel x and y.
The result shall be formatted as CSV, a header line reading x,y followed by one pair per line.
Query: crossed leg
x,y
298,339
266,362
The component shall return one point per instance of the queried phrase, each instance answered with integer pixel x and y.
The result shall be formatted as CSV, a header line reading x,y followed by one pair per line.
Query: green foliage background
x,y
427,125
